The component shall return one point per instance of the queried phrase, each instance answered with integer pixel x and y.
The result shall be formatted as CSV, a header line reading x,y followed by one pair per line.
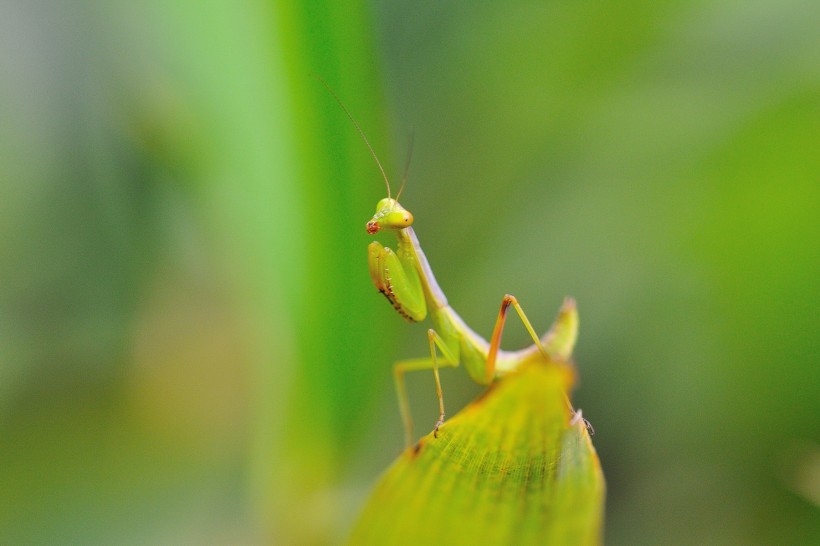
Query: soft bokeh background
x,y
190,347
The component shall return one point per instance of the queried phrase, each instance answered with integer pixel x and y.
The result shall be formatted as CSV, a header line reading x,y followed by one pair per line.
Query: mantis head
x,y
389,215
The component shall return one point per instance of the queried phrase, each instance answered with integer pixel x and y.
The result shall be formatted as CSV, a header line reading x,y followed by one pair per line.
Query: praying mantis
x,y
405,278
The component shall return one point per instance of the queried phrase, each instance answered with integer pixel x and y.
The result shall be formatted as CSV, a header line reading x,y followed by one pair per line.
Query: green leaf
x,y
511,468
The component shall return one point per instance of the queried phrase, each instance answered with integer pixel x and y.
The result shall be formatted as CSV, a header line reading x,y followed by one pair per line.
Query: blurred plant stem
x,y
336,180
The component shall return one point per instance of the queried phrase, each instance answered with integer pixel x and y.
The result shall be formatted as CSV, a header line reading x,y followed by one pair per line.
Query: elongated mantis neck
x,y
408,242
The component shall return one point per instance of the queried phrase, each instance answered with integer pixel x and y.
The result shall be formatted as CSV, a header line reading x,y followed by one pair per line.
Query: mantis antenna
x,y
355,124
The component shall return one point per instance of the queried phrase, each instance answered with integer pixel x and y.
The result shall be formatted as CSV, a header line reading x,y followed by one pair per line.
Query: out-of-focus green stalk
x,y
337,182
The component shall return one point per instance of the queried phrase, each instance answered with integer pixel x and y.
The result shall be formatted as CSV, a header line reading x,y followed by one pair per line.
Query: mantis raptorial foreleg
x,y
399,369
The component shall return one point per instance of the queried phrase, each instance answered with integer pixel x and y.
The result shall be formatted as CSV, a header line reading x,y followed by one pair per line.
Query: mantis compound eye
x,y
399,219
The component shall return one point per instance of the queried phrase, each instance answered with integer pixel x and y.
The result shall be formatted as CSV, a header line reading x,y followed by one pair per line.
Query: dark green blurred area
x,y
190,348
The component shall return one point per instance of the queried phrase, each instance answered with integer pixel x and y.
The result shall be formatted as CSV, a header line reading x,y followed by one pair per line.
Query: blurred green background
x,y
191,351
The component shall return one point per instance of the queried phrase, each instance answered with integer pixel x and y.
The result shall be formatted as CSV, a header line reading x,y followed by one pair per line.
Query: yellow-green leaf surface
x,y
511,468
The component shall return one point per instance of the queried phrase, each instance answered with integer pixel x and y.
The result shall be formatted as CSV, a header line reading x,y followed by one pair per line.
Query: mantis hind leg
x,y
495,340
432,363
560,338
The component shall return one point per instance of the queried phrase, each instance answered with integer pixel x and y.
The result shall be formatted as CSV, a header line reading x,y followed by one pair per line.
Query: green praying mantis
x,y
405,278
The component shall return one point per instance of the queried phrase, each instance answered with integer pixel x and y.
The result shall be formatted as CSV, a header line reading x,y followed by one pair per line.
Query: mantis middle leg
x,y
433,363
